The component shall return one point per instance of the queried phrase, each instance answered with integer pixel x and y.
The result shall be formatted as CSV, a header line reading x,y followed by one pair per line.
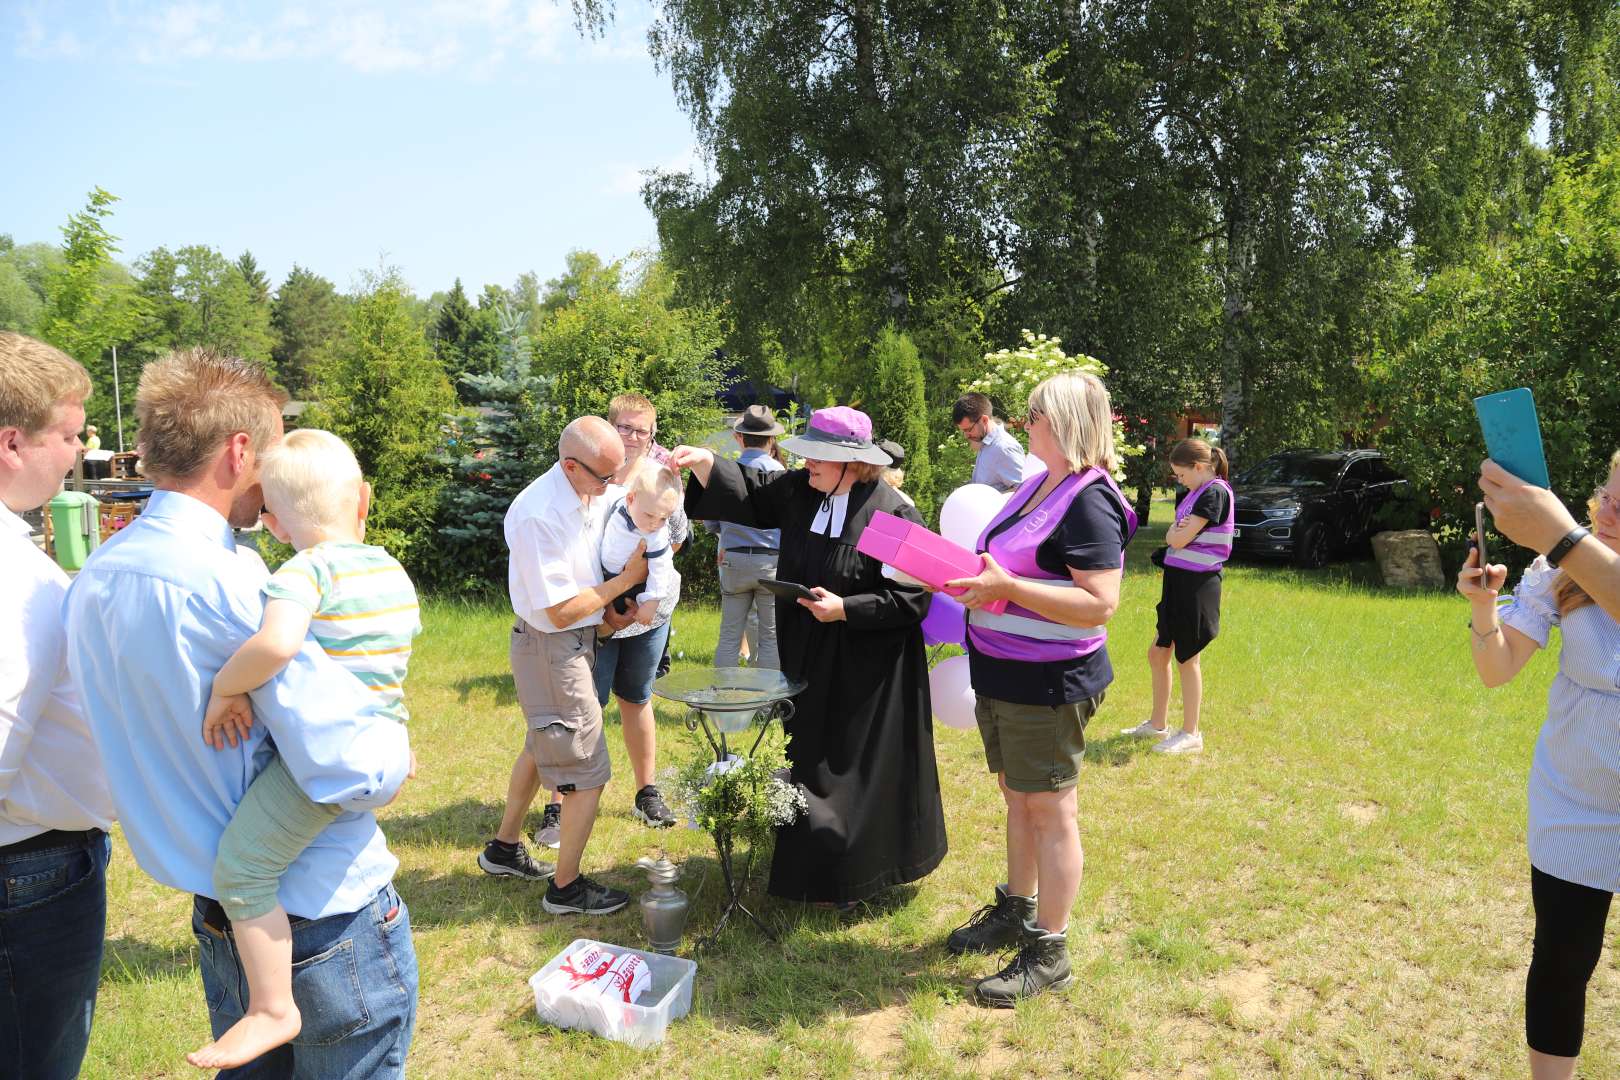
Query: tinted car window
x,y
1291,470
1379,471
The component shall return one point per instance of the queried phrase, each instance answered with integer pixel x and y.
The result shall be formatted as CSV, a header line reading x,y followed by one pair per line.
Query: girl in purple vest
x,y
1198,545
1039,670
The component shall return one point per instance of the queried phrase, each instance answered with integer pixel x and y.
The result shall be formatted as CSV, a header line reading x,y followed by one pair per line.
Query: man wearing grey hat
x,y
749,554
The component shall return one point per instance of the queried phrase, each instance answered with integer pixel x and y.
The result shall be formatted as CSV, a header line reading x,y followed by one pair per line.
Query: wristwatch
x,y
1562,548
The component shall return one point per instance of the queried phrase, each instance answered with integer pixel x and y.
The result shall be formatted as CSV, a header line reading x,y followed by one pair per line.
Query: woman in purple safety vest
x,y
1039,669
1198,545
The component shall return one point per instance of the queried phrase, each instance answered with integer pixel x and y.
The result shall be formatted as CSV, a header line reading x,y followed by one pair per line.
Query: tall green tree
x,y
856,151
465,339
199,297
582,269
899,410
494,454
306,318
382,390
258,285
625,333
89,307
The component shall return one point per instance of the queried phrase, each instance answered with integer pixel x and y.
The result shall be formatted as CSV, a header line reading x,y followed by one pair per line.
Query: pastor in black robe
x,y
861,739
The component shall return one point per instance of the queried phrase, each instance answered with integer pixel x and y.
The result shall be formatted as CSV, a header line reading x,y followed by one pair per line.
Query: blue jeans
x,y
354,981
626,666
53,920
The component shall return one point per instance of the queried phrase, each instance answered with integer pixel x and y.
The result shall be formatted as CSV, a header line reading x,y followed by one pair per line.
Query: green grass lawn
x,y
1338,886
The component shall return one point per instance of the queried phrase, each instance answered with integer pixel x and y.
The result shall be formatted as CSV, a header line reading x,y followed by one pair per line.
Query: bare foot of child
x,y
255,1034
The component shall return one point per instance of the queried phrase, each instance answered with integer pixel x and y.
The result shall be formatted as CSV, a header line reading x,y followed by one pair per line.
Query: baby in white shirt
x,y
652,494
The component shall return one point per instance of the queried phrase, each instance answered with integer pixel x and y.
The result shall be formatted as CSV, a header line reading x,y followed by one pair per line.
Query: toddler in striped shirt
x,y
361,607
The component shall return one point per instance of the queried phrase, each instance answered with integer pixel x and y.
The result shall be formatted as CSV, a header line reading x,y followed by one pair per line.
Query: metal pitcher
x,y
664,908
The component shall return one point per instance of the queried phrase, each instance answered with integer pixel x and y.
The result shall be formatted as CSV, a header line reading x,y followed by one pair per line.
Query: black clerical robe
x,y
861,741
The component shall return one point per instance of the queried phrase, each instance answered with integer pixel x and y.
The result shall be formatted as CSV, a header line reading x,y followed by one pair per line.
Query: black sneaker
x,y
512,860
993,927
583,897
651,810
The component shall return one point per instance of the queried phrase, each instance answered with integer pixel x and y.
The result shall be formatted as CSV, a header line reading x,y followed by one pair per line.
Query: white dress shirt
x,y
555,540
50,771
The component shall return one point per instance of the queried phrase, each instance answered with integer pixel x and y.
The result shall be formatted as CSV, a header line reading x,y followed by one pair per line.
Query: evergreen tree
x,y
381,389
258,285
899,410
496,454
307,317
466,339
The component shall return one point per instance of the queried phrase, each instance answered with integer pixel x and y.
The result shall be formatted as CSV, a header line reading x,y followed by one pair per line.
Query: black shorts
x,y
1189,611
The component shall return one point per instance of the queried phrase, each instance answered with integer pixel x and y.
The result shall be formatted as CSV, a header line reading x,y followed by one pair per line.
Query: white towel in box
x,y
627,979
562,994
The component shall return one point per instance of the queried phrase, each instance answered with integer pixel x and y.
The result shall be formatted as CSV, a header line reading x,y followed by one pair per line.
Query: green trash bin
x,y
75,527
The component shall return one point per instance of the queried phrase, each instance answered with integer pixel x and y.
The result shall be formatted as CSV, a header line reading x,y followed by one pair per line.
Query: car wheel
x,y
1311,548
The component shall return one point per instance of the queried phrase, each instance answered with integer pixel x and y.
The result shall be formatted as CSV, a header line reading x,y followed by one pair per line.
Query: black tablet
x,y
789,590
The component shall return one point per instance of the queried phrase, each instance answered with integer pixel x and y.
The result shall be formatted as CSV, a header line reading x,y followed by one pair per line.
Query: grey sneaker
x,y
512,861
583,897
993,927
549,834
650,808
1042,964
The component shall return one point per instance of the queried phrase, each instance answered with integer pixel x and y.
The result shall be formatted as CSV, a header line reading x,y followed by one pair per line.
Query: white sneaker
x,y
1182,743
1145,730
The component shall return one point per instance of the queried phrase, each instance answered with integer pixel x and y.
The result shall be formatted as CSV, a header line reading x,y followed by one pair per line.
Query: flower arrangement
x,y
741,798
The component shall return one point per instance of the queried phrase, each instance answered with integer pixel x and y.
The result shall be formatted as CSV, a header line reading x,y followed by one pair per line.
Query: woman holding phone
x,y
1574,828
861,740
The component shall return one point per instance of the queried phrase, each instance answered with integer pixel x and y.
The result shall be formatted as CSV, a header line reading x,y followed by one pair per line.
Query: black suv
x,y
1312,505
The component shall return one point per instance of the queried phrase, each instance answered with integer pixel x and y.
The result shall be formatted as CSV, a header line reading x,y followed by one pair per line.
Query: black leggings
x,y
1569,939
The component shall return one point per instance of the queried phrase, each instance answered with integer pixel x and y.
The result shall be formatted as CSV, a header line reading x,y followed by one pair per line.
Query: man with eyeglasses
x,y
555,580
998,457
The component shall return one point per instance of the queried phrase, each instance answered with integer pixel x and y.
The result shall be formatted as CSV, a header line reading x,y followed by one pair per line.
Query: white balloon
x,y
951,691
967,511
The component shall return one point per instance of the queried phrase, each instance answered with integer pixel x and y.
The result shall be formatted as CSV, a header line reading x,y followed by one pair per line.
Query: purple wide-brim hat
x,y
837,434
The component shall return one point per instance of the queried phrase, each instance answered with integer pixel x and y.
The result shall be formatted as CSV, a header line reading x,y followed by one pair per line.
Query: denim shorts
x,y
627,666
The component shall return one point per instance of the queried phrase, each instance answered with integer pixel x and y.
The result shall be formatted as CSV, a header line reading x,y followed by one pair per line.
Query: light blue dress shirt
x,y
1000,462
151,618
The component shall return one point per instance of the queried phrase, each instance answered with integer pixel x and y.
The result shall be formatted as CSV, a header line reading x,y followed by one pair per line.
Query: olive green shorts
x,y
1036,747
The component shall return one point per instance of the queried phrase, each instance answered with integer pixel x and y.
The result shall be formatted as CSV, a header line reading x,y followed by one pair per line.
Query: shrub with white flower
x,y
1010,376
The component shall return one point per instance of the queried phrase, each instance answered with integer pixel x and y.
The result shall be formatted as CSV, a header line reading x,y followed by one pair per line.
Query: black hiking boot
x,y
1042,964
993,927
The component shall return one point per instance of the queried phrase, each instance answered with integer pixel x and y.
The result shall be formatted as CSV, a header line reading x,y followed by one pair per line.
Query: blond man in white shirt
x,y
554,531
54,807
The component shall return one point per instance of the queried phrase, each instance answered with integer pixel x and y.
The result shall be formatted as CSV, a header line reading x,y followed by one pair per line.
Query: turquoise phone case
x,y
1513,434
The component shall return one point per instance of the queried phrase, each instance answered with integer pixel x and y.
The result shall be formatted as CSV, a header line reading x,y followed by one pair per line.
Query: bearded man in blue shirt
x,y
151,618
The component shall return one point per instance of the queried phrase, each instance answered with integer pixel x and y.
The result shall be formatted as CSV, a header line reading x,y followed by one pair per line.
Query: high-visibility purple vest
x,y
1019,633
1212,546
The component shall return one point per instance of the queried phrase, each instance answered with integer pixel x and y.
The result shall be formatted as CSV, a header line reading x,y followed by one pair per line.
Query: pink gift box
x,y
926,556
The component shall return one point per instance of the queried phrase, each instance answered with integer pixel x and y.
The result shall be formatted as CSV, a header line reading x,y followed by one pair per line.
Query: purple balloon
x,y
946,621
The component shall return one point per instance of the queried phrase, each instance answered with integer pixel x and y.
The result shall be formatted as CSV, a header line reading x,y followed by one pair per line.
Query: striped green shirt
x,y
363,612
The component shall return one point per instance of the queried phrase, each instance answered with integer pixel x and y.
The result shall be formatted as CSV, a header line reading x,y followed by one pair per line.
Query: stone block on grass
x,y
1409,559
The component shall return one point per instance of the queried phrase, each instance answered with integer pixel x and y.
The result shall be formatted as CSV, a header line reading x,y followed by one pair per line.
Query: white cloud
x,y
472,37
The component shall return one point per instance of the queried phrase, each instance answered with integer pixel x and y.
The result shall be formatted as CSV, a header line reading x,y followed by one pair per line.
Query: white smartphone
x,y
1479,536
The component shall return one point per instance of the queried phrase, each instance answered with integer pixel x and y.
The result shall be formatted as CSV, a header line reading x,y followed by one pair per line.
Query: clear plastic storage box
x,y
639,1024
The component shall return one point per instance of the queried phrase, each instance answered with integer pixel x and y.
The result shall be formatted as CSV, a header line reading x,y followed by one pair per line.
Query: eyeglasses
x,y
600,479
1606,501
976,429
630,431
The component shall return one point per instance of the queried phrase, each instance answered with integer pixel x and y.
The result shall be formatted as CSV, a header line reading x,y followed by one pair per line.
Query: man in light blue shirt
x,y
999,460
154,614
748,555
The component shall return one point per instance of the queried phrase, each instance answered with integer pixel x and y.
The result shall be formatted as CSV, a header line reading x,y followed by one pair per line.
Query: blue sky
x,y
470,138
